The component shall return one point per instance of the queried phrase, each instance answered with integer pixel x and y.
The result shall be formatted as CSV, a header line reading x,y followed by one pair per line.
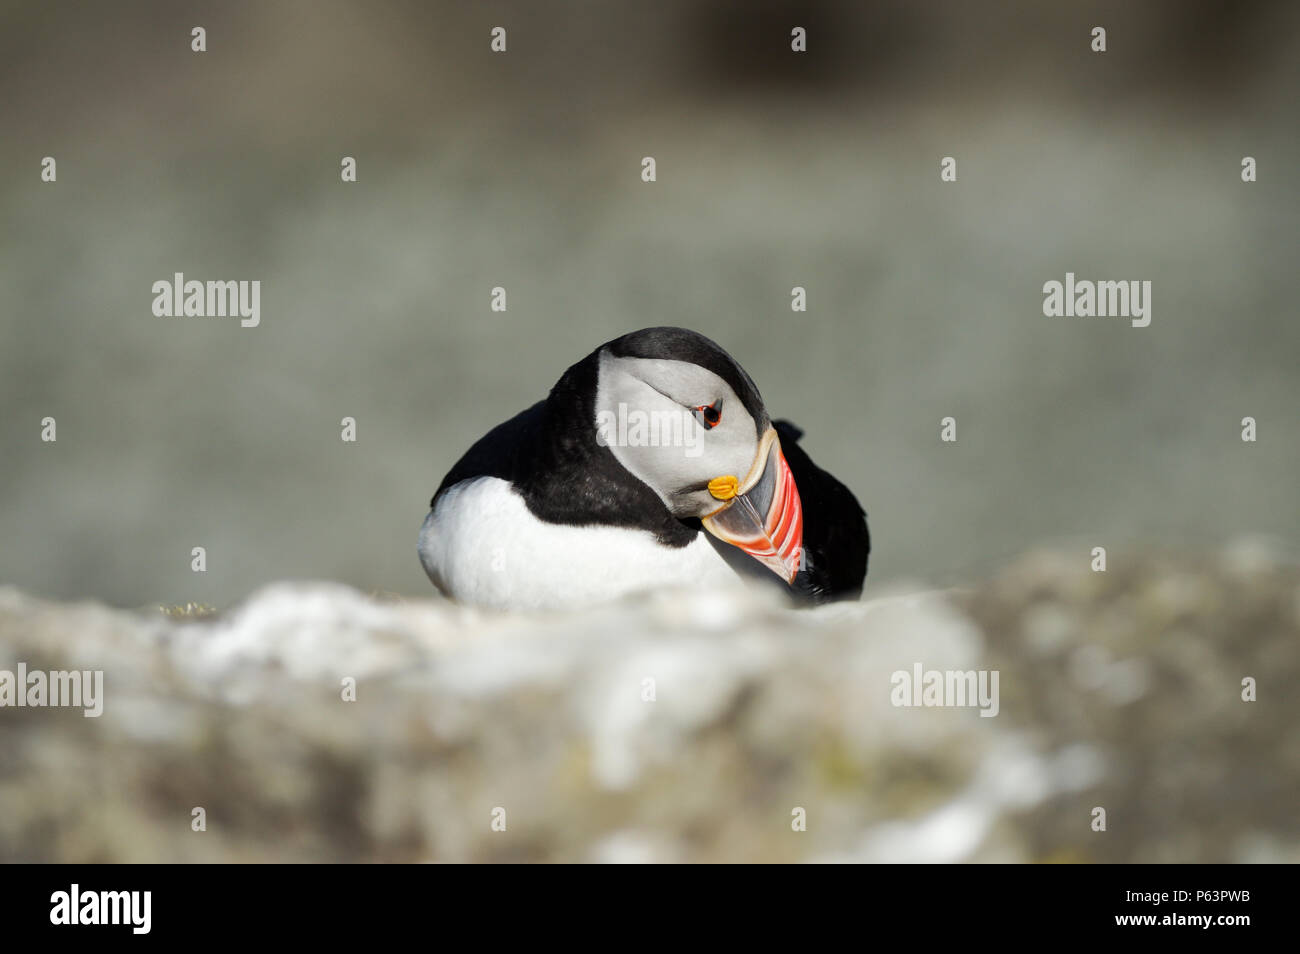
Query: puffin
x,y
652,464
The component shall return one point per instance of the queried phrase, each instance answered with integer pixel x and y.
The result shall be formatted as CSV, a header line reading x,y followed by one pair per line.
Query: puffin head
x,y
683,417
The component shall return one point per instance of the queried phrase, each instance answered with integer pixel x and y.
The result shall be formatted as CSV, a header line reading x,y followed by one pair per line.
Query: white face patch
x,y
655,416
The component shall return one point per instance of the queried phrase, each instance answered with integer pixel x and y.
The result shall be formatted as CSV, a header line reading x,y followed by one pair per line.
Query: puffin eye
x,y
708,414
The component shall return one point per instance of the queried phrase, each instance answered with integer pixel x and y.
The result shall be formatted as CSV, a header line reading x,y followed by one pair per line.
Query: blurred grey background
x,y
523,170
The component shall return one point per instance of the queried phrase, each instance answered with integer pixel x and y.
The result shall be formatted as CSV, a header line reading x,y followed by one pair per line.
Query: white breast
x,y
481,545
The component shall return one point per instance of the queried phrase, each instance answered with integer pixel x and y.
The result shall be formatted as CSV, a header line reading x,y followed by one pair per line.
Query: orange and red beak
x,y
762,514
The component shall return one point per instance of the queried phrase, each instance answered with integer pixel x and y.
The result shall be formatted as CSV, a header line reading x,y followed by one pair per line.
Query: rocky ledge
x,y
314,723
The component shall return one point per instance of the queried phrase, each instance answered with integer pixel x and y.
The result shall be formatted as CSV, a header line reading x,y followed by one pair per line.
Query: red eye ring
x,y
709,415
